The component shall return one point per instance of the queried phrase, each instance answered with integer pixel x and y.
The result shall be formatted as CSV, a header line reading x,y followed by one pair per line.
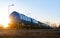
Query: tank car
x,y
18,20
22,20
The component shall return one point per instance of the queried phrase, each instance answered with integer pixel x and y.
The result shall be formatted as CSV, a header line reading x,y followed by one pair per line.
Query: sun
x,y
4,20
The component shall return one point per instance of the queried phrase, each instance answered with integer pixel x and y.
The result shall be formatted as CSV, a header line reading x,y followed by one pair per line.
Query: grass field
x,y
41,33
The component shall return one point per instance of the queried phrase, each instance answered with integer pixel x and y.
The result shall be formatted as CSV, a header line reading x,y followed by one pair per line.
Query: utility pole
x,y
9,8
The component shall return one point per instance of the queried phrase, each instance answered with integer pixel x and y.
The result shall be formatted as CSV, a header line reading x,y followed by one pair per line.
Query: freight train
x,y
18,20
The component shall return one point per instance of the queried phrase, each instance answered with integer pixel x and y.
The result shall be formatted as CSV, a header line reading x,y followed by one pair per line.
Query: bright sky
x,y
43,10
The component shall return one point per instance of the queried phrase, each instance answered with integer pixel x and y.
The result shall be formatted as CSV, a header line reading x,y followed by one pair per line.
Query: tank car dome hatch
x,y
14,16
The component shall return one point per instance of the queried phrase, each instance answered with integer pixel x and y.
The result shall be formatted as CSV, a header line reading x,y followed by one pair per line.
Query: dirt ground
x,y
41,33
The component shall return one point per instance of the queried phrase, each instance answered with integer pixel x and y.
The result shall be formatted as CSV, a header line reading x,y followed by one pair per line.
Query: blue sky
x,y
42,10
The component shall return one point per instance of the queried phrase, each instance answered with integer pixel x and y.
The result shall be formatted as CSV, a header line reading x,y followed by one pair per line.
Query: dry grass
x,y
42,33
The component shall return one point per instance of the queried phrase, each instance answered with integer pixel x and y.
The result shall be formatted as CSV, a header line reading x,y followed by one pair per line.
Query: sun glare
x,y
4,19
5,22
